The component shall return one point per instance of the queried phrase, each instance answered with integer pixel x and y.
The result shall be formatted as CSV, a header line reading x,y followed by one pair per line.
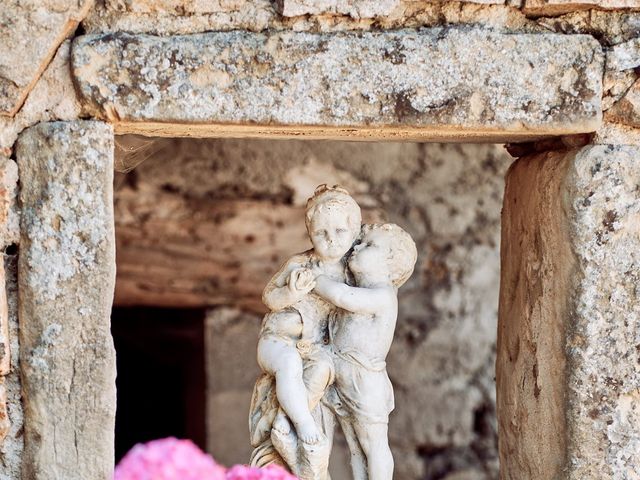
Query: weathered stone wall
x,y
568,371
37,84
447,196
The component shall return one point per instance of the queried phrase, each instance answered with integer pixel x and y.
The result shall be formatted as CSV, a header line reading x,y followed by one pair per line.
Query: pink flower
x,y
168,459
270,472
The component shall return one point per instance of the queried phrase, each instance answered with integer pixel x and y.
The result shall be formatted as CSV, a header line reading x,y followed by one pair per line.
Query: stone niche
x,y
496,71
189,210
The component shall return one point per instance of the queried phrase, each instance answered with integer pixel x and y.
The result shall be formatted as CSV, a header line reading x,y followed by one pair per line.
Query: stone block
x,y
52,98
559,7
624,56
5,358
353,8
9,213
66,281
568,367
434,83
356,9
32,32
5,424
627,109
175,7
12,446
5,340
611,133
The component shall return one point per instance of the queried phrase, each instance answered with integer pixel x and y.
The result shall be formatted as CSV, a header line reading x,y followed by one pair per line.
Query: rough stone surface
x,y
557,7
624,56
470,83
352,8
32,32
12,447
174,17
52,98
568,367
449,199
174,7
260,15
9,214
5,356
66,280
5,340
627,109
620,71
357,9
615,85
5,424
610,28
611,133
603,359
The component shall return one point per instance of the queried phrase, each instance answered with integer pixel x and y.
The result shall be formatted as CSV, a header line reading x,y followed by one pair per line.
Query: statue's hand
x,y
301,280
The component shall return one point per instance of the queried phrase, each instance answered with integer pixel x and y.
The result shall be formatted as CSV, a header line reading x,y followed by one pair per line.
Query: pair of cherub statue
x,y
323,346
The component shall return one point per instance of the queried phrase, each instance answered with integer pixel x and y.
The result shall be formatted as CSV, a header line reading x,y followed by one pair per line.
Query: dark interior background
x,y
161,375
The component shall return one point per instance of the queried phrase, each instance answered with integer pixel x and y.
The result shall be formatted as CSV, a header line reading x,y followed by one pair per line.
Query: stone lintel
x,y
568,366
66,281
429,84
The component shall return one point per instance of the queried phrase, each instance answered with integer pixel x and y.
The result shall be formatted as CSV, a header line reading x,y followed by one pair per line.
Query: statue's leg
x,y
375,444
317,376
358,459
284,362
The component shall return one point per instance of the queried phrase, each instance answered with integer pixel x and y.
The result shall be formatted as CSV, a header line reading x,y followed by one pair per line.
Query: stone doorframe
x,y
567,370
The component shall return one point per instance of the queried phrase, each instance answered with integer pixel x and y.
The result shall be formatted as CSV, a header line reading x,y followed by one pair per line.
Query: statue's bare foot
x,y
281,423
309,433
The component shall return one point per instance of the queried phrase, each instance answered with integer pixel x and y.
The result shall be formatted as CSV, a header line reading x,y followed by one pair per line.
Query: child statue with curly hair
x,y
294,336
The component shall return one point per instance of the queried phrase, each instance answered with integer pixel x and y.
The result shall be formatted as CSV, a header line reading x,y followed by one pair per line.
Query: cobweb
x,y
132,150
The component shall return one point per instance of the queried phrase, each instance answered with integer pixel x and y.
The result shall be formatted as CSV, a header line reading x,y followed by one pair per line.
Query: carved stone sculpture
x,y
323,346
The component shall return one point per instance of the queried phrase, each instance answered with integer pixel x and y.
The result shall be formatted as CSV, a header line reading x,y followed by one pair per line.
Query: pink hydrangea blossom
x,y
168,459
270,472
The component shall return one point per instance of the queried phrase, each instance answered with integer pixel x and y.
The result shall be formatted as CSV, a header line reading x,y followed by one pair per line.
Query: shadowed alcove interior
x,y
201,225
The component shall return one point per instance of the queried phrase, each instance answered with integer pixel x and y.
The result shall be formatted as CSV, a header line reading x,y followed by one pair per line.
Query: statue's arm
x,y
353,299
277,295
